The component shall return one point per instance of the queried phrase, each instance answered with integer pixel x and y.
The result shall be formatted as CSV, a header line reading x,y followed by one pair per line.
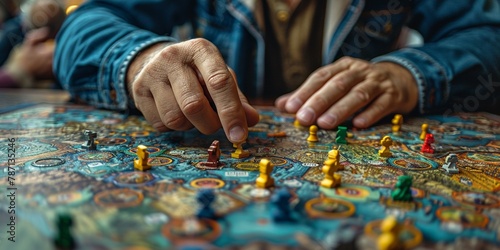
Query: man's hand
x,y
175,86
34,56
337,91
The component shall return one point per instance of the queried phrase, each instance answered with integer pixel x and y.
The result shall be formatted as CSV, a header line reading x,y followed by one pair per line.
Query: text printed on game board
x,y
11,189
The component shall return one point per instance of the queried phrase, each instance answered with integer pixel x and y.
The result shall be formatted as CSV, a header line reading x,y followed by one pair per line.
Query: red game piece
x,y
427,146
213,155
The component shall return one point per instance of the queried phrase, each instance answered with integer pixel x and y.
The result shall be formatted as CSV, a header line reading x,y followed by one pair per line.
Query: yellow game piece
x,y
313,134
296,123
334,154
141,163
389,238
265,180
425,131
386,143
331,179
239,152
397,121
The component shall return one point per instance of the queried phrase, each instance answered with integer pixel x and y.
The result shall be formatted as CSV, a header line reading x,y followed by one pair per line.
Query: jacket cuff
x,y
433,86
120,55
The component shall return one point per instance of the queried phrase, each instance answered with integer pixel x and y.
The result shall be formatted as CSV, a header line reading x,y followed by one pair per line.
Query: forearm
x,y
97,44
457,55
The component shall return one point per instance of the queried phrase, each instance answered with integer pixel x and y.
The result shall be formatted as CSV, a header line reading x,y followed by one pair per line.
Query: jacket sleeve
x,y
98,41
460,60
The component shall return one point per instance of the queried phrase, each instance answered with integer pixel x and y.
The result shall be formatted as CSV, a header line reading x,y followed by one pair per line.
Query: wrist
x,y
406,85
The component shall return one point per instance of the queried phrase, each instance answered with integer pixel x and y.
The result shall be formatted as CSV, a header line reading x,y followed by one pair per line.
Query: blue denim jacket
x,y
459,61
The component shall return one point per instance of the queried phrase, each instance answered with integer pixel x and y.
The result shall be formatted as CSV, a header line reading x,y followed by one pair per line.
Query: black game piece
x,y
90,145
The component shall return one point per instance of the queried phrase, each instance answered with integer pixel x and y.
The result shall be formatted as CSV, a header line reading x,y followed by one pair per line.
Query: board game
x,y
45,171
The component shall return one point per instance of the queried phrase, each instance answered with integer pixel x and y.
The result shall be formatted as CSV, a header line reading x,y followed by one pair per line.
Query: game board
x,y
115,207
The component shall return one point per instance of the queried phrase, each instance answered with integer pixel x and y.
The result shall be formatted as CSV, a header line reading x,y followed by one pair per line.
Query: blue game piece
x,y
205,198
281,201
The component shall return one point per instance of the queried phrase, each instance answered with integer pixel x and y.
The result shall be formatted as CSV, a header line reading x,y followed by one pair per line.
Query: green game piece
x,y
402,191
341,135
64,239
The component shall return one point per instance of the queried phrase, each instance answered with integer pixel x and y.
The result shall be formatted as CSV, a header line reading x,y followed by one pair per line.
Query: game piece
x,y
141,162
386,143
334,154
265,180
313,134
397,121
425,131
281,201
402,191
450,165
91,136
64,239
389,237
213,155
341,135
239,152
277,134
296,123
331,179
205,198
427,146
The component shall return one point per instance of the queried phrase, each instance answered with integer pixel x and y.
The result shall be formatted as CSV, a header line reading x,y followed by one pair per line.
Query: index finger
x,y
224,92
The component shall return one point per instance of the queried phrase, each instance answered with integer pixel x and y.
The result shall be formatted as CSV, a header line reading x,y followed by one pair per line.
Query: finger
x,y
281,101
314,82
192,101
380,108
147,106
252,115
358,97
330,93
223,89
170,113
37,36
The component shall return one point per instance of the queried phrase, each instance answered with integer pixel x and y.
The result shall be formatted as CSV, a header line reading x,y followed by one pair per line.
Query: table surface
x,y
12,98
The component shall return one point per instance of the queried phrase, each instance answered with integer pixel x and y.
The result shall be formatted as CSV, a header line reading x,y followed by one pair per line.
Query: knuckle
x,y
174,120
362,94
192,105
219,80
228,111
200,43
339,84
322,101
346,59
140,89
321,73
170,53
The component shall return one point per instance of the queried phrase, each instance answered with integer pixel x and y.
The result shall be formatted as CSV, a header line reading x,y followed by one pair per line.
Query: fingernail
x,y
293,105
328,119
360,122
306,115
237,134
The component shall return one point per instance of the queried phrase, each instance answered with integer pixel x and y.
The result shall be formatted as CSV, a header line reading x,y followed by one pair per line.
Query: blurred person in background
x,y
26,42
